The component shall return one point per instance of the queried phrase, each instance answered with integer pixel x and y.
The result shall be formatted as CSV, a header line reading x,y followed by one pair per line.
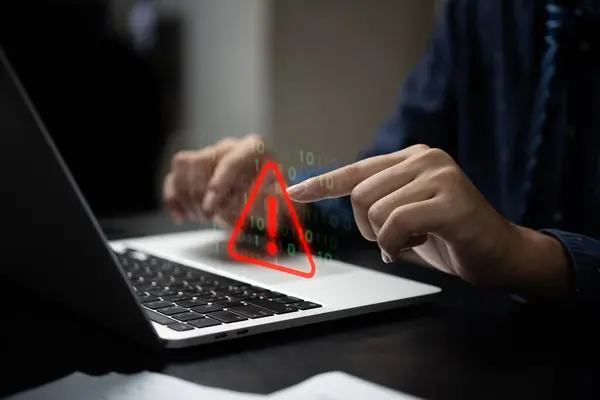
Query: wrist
x,y
540,265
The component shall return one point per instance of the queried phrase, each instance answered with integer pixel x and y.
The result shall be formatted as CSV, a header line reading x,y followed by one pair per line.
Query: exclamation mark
x,y
272,224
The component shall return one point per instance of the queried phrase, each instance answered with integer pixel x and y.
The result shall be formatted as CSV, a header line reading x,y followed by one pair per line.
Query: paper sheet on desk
x,y
153,386
140,386
337,386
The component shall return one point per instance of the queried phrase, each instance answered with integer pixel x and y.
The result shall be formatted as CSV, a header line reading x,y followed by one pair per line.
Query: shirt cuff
x,y
584,257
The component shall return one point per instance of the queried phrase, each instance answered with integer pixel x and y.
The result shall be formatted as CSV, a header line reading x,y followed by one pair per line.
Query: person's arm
x,y
424,114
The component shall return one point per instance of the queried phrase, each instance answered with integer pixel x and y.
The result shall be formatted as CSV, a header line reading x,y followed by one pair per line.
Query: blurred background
x,y
124,84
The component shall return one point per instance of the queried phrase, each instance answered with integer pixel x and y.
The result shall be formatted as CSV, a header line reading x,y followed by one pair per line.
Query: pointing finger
x,y
340,182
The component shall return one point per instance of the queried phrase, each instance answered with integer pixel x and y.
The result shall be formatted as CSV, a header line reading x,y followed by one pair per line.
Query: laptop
x,y
166,291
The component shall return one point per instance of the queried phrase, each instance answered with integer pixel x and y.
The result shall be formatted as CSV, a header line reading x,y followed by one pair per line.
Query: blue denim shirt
x,y
518,112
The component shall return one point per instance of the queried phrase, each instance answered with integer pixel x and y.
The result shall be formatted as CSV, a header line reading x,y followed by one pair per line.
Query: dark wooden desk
x,y
469,344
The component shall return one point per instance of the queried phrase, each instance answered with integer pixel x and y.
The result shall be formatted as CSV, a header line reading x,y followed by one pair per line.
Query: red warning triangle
x,y
271,227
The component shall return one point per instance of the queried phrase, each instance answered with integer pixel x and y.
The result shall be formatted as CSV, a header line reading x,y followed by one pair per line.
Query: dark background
x,y
105,103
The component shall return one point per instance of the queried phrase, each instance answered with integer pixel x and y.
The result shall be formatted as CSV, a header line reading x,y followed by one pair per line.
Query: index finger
x,y
341,181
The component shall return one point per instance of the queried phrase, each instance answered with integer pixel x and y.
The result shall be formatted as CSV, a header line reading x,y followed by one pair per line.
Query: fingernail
x,y
297,190
209,202
386,259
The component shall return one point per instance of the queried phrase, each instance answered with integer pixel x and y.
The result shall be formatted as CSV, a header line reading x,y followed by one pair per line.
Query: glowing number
x,y
347,224
292,173
333,221
291,249
309,158
329,182
260,224
333,242
245,198
328,256
308,235
256,240
257,162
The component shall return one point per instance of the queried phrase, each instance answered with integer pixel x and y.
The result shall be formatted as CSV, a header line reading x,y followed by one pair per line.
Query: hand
x,y
213,183
419,198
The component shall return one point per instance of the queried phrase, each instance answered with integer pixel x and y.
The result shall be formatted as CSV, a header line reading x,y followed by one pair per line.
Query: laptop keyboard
x,y
184,298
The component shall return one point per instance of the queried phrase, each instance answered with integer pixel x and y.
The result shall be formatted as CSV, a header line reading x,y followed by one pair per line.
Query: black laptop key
x,y
162,292
172,310
204,322
158,304
212,299
178,287
228,303
288,300
176,297
206,309
161,319
245,296
148,299
188,316
305,305
273,306
181,327
191,303
251,311
144,287
270,295
227,317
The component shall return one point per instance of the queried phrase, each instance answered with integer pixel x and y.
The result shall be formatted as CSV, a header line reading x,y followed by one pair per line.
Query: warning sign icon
x,y
271,226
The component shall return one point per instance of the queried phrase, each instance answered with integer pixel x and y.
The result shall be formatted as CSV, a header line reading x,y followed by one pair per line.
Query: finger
x,y
182,165
414,241
170,201
414,192
368,196
203,166
404,222
342,181
231,209
227,174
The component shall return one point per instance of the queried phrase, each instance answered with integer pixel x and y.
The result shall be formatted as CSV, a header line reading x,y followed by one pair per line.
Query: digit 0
x,y
308,236
291,249
333,221
347,224
292,173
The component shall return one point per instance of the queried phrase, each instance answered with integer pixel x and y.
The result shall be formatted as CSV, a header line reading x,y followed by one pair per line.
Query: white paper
x,y
338,386
153,386
140,386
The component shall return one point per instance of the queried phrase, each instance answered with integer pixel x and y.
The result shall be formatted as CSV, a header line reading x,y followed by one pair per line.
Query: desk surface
x,y
469,344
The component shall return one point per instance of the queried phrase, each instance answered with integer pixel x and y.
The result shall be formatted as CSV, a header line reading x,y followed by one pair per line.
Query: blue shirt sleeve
x,y
424,114
584,257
